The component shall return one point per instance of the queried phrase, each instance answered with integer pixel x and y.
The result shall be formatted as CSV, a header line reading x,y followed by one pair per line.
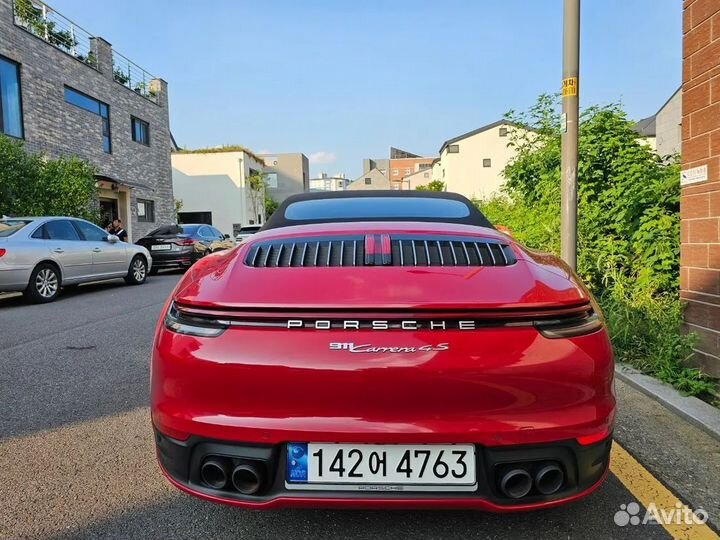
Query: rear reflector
x,y
2,251
587,440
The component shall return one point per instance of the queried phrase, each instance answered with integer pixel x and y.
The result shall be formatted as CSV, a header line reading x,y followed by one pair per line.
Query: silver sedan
x,y
39,255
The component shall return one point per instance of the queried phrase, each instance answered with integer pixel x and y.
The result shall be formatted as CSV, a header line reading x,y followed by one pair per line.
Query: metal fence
x,y
41,20
129,74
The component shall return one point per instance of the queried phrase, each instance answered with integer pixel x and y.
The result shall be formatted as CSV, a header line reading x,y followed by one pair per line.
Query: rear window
x,y
172,230
10,227
376,208
250,230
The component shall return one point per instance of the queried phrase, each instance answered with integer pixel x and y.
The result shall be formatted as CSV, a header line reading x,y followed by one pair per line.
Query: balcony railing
x,y
44,22
129,74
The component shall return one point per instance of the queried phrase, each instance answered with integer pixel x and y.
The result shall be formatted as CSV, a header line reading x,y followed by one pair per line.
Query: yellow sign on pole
x,y
570,87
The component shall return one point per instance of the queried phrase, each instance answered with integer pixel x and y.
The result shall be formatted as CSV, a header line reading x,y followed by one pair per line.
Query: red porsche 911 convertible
x,y
382,349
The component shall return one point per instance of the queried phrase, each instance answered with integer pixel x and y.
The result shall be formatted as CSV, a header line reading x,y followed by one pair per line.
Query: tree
x,y
628,229
257,184
270,206
33,185
628,197
435,185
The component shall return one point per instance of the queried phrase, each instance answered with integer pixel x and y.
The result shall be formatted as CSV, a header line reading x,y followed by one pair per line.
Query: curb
x,y
692,409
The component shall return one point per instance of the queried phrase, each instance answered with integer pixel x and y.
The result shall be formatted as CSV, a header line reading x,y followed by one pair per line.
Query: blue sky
x,y
342,80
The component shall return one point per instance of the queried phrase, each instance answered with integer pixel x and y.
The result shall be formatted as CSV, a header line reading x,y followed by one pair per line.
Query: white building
x,y
663,130
213,186
329,183
472,164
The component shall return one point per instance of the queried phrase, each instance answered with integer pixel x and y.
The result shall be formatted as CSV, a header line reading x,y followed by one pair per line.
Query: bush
x,y
628,229
31,185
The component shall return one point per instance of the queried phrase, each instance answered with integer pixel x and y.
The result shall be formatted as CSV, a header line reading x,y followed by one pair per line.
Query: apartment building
x,y
286,174
215,187
324,182
65,91
400,165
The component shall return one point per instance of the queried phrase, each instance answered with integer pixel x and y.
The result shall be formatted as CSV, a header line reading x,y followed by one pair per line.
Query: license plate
x,y
423,467
160,247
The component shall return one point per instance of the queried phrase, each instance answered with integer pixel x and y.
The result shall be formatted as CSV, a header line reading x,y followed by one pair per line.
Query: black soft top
x,y
376,205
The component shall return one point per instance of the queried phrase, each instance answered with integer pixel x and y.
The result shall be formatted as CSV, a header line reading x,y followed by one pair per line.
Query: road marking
x,y
647,490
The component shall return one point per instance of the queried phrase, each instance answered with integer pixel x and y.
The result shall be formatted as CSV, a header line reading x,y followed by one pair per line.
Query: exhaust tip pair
x,y
218,473
518,482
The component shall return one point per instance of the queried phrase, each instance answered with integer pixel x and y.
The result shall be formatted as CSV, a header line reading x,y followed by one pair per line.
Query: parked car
x,y
40,255
180,246
246,232
383,349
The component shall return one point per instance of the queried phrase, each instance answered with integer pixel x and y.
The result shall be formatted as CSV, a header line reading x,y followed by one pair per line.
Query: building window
x,y
396,172
423,166
10,104
453,149
140,131
408,171
271,180
487,162
368,181
340,184
503,132
94,106
145,211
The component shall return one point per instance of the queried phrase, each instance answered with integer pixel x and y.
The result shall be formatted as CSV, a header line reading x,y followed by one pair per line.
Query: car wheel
x,y
137,274
44,285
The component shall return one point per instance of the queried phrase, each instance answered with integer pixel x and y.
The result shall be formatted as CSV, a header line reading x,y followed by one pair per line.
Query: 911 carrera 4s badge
x,y
369,348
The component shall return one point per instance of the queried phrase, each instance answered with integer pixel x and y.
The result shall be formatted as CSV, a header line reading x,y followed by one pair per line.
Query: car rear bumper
x,y
585,468
14,279
174,259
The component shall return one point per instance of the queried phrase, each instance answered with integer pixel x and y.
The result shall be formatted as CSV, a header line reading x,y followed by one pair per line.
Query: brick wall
x,y
700,201
56,128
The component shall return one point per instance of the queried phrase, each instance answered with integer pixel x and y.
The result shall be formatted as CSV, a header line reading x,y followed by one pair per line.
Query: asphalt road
x,y
77,459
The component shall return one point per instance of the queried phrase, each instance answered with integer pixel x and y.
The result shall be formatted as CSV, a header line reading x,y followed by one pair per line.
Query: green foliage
x,y
223,148
646,331
270,206
435,185
628,228
31,185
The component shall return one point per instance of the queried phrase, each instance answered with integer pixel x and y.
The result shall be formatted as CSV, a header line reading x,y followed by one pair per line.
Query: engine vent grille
x,y
404,251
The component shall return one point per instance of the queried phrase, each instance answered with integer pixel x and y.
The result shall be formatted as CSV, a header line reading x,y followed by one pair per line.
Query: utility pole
x,y
569,142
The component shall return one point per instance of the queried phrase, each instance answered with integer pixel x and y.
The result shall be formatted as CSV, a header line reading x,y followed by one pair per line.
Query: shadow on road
x,y
185,517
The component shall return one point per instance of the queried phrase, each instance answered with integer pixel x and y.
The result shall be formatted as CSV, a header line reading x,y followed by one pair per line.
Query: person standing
x,y
118,230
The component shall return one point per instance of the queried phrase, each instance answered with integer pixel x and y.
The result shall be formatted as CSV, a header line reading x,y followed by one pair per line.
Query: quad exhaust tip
x,y
549,479
212,473
246,478
516,483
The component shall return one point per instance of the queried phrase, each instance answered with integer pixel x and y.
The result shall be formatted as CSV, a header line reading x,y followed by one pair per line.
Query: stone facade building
x,y
700,179
66,92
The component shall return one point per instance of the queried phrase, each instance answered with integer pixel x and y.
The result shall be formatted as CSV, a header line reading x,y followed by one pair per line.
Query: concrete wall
x,y
464,172
377,181
700,201
667,126
57,128
217,183
382,164
290,172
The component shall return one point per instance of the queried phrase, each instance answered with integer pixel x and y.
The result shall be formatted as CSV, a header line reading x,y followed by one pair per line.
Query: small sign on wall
x,y
694,175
